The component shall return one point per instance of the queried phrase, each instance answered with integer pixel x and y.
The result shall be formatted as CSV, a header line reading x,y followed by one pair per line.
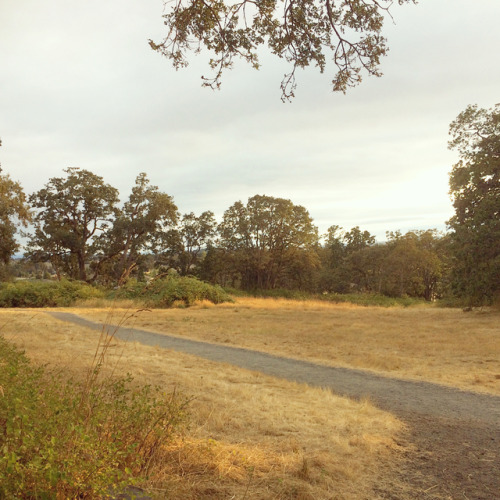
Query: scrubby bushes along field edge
x,y
167,291
162,292
63,438
46,293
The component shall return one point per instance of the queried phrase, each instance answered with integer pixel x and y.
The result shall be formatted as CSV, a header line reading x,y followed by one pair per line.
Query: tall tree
x,y
185,244
303,32
347,263
72,212
355,240
138,228
13,212
475,191
266,240
414,264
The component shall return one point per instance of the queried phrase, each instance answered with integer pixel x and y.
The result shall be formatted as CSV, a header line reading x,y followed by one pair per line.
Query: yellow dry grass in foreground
x,y
252,436
446,346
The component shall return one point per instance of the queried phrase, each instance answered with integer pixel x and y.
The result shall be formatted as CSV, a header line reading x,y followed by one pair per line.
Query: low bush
x,y
167,291
62,438
45,293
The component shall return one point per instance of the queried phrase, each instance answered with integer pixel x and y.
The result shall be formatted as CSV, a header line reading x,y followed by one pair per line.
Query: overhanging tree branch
x,y
303,32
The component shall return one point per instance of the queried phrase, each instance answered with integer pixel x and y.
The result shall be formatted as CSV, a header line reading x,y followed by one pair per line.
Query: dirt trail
x,y
456,434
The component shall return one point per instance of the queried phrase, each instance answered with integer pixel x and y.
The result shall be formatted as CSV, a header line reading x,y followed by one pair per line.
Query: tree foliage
x,y
411,265
346,259
302,32
475,191
414,265
269,243
13,211
265,240
80,229
136,229
184,245
72,212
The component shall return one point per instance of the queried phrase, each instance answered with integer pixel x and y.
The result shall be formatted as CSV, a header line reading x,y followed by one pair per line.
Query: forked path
x,y
456,434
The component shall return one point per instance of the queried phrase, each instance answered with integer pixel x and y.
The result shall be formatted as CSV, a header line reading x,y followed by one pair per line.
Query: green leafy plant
x,y
169,290
67,438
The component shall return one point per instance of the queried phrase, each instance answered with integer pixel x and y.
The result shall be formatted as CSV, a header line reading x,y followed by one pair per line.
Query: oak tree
x,y
346,262
71,212
302,32
414,264
136,230
184,245
475,191
266,240
14,211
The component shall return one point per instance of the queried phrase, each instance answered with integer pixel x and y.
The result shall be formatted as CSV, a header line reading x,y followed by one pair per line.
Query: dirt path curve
x,y
456,434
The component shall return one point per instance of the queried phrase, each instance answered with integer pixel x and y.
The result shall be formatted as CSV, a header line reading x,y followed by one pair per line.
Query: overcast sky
x,y
80,86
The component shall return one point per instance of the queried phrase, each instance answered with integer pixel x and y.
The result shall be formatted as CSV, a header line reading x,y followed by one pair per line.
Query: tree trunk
x,y
81,267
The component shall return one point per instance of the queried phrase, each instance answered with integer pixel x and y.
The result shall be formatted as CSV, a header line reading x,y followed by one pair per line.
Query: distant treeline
x,y
81,232
267,243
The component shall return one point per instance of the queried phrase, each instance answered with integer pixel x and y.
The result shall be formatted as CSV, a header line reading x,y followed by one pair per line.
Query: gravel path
x,y
456,434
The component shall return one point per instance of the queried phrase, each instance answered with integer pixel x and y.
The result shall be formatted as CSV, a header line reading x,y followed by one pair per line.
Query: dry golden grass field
x,y
446,346
250,436
256,437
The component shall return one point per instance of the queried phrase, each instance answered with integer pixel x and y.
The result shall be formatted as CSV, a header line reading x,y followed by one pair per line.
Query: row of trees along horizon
x,y
80,232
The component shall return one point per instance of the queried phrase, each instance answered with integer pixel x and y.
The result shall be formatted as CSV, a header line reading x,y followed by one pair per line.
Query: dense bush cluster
x,y
45,293
162,292
167,291
62,438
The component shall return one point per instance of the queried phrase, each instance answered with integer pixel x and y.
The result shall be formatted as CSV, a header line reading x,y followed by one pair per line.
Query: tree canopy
x,y
302,32
80,229
71,213
137,228
82,233
266,239
13,211
182,247
475,191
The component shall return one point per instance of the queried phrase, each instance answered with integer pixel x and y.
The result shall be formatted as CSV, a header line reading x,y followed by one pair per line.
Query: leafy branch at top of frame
x,y
302,32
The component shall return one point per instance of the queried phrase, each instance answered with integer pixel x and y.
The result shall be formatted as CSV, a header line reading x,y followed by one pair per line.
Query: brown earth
x,y
454,435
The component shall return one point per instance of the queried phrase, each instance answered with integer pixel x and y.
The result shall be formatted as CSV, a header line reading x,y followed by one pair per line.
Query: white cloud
x,y
81,87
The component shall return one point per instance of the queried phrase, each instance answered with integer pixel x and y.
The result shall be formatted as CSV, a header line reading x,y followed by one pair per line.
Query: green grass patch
x,y
63,438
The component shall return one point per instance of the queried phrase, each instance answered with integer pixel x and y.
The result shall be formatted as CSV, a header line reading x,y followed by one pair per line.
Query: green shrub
x,y
165,292
62,438
45,293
